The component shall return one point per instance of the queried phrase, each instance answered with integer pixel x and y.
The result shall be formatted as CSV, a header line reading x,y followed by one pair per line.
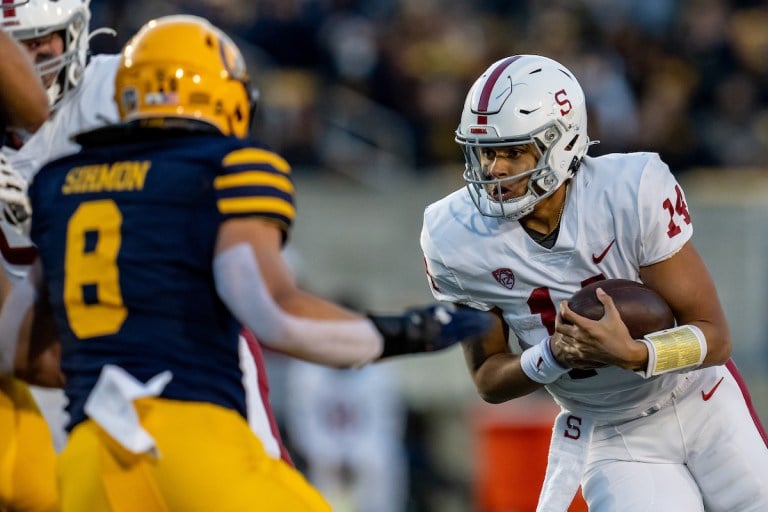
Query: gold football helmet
x,y
182,66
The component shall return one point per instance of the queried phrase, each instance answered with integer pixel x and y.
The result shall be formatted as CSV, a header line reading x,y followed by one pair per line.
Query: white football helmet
x,y
28,19
523,99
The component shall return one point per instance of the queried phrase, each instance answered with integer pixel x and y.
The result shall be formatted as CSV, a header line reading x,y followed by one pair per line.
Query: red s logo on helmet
x,y
561,97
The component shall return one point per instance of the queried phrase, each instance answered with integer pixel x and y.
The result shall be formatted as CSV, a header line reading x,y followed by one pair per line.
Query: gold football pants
x,y
207,459
27,455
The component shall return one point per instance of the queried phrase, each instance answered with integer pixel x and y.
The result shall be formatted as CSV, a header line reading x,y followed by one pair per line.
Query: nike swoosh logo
x,y
707,396
598,259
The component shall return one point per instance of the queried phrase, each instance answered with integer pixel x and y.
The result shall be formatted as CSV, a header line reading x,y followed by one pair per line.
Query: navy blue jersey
x,y
126,233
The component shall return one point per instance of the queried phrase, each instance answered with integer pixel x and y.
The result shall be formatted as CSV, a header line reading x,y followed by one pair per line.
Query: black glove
x,y
429,328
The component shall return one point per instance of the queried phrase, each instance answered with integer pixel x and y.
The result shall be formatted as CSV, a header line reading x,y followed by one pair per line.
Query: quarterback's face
x,y
43,49
506,162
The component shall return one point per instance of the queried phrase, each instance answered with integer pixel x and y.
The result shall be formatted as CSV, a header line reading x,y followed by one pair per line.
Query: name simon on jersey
x,y
120,176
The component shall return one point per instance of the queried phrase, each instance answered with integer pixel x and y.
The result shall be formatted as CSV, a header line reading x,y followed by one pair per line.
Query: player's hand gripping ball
x,y
642,309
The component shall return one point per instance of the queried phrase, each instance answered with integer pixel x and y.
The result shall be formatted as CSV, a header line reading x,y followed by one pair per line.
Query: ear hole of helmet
x,y
571,144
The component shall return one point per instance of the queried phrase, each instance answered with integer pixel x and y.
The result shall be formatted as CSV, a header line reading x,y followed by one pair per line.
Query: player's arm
x,y
29,343
42,364
265,240
17,303
685,283
701,338
23,101
496,371
254,281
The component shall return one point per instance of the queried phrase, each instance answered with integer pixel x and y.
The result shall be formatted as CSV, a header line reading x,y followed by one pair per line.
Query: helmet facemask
x,y
32,19
487,192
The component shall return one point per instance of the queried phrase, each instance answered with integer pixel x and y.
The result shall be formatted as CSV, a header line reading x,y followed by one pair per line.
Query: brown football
x,y
642,309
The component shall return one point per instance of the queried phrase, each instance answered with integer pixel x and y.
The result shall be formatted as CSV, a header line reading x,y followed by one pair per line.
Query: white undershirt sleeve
x,y
340,343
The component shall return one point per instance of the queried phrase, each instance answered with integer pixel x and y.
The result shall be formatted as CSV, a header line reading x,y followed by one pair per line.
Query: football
x,y
642,309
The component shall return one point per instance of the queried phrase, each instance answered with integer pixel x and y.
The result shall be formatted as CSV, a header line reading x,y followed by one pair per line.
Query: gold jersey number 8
x,y
94,267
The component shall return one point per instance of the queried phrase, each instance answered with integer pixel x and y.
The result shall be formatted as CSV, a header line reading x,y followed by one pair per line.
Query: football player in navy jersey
x,y
157,242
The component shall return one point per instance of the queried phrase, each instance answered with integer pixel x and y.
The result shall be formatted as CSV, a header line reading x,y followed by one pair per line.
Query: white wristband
x,y
674,349
539,363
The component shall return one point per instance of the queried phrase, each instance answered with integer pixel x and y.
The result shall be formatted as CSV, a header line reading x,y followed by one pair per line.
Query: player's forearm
x,y
301,303
15,326
500,378
43,364
340,342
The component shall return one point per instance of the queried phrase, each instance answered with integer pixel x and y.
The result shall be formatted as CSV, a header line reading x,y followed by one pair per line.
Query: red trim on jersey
x,y
747,399
431,279
254,347
485,94
17,255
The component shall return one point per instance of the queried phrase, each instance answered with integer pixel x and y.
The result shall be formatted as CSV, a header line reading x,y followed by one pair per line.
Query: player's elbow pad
x,y
340,343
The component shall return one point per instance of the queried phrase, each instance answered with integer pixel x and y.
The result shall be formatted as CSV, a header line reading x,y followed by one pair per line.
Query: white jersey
x,y
90,106
622,212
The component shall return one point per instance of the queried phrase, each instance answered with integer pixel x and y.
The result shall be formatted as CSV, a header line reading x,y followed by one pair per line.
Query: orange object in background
x,y
511,447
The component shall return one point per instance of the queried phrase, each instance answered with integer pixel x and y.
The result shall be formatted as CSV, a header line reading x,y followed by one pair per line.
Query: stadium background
x,y
362,97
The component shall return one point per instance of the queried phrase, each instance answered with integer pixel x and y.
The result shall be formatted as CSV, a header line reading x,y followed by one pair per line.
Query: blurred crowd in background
x,y
350,85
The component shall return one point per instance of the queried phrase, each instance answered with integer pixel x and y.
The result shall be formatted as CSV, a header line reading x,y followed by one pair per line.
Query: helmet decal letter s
x,y
561,97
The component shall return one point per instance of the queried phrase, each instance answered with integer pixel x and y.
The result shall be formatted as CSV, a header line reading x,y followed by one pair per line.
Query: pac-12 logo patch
x,y
505,277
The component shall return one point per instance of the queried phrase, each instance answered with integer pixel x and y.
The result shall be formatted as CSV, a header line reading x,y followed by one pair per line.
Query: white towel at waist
x,y
110,404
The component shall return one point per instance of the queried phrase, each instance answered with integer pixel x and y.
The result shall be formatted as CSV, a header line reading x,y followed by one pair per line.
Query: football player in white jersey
x,y
81,90
80,93
27,458
661,424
